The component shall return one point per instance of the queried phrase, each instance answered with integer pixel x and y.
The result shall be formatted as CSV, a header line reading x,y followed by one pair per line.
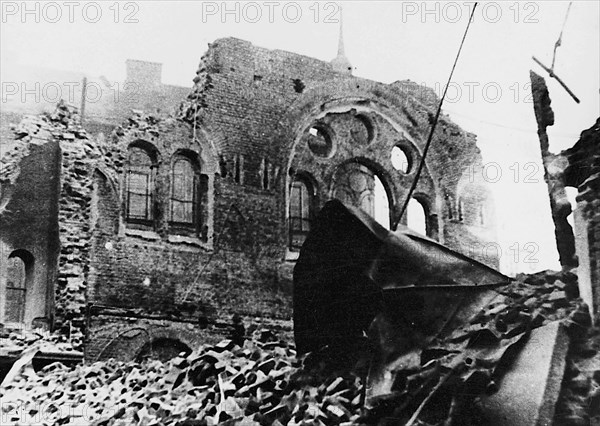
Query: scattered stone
x,y
215,384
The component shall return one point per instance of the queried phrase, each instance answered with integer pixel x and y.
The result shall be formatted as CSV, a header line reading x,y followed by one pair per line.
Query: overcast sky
x,y
385,41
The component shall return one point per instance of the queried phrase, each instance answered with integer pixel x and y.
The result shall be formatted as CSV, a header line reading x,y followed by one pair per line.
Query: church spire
x,y
341,36
340,63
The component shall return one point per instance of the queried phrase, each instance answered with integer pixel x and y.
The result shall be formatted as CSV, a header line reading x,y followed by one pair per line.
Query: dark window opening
x,y
265,175
18,271
238,167
162,349
223,166
140,187
449,207
300,213
298,85
319,142
203,207
188,190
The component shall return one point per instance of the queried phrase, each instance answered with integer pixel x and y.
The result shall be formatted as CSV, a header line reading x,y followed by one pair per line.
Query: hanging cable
x,y
559,41
433,126
550,70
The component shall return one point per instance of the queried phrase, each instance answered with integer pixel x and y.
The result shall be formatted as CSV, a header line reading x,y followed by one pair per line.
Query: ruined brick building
x,y
583,173
579,168
150,238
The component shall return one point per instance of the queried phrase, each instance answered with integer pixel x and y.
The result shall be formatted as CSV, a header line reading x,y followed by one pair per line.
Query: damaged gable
x,y
56,160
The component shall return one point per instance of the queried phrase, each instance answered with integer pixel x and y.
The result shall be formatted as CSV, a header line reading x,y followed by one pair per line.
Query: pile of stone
x,y
442,383
579,404
264,382
535,300
258,384
14,342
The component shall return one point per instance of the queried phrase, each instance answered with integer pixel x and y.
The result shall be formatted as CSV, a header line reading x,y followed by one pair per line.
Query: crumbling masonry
x,y
159,232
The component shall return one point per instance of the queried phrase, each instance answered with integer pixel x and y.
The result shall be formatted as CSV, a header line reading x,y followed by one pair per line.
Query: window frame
x,y
27,261
198,188
21,290
150,186
310,202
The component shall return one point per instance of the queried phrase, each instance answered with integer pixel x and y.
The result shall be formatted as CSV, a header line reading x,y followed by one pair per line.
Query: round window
x,y
400,159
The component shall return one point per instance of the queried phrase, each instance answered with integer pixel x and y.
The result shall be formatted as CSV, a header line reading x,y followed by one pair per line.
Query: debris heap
x,y
259,383
440,383
263,382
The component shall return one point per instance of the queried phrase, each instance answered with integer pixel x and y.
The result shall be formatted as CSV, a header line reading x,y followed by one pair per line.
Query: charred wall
x,y
47,214
257,105
247,127
28,218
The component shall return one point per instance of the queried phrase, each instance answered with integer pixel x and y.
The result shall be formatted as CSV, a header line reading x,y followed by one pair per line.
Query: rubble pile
x,y
264,382
534,300
15,342
440,383
259,383
579,404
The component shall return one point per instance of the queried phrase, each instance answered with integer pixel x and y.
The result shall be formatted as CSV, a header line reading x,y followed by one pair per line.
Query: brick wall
x,y
259,103
248,116
247,121
29,174
583,172
48,215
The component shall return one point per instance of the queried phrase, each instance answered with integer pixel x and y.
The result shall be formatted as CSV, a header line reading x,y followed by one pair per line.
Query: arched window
x,y
140,187
381,204
301,194
357,185
416,216
400,159
185,194
18,271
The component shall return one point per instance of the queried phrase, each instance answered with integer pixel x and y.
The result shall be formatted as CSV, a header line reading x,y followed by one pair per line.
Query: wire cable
x,y
433,126
559,41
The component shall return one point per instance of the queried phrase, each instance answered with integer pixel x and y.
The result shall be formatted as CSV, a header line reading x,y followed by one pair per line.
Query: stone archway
x,y
163,349
358,185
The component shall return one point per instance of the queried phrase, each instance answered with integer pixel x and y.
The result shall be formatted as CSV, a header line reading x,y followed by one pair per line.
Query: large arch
x,y
356,181
163,349
363,97
127,342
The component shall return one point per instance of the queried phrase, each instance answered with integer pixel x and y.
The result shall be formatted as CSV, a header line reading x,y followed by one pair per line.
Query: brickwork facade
x,y
256,122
